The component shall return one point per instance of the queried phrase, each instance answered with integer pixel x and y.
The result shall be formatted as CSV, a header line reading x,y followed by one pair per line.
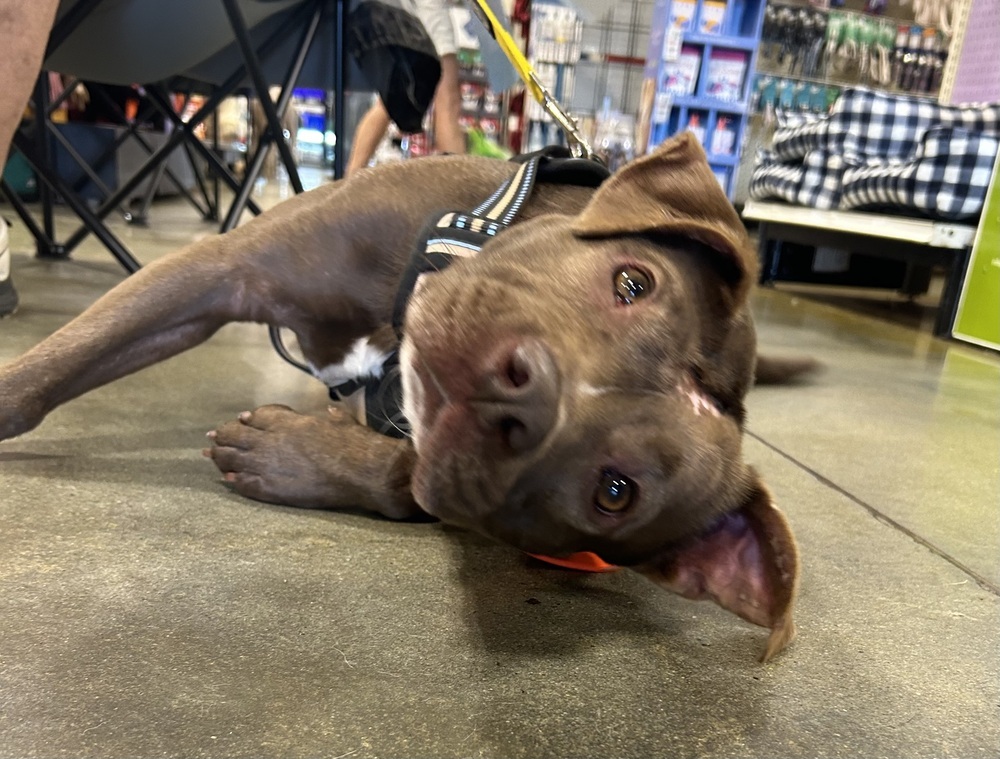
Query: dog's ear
x,y
748,563
672,191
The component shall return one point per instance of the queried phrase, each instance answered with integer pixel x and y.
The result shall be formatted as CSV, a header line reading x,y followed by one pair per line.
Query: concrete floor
x,y
147,611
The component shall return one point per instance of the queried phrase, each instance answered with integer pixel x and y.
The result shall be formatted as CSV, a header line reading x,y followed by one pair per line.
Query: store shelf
x,y
715,69
843,83
709,104
722,41
918,231
722,160
804,53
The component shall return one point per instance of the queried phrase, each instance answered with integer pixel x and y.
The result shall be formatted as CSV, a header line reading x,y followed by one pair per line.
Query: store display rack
x,y
553,51
848,45
701,60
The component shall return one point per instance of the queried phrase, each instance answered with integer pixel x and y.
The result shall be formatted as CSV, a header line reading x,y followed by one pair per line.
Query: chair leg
x,y
47,247
132,132
339,83
284,99
239,25
184,131
25,215
40,158
80,208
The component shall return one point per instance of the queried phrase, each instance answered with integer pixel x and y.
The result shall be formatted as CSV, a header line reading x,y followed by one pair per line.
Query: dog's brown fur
x,y
528,381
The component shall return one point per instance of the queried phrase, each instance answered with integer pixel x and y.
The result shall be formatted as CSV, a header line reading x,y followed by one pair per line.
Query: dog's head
x,y
579,386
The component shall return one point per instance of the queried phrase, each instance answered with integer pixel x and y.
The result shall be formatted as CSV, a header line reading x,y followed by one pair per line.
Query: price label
x,y
672,42
661,107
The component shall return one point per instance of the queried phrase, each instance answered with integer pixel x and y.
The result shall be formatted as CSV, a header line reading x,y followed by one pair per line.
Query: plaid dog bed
x,y
875,150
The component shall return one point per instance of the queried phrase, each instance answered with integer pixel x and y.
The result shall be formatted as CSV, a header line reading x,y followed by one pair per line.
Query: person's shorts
x,y
434,15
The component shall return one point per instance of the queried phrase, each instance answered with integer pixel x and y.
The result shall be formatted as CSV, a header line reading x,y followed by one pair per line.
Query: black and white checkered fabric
x,y
876,150
815,181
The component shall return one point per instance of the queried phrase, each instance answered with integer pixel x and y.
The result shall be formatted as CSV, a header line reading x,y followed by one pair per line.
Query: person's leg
x,y
371,129
449,137
24,28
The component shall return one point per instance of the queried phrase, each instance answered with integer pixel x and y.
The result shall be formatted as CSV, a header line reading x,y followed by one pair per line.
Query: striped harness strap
x,y
457,234
460,234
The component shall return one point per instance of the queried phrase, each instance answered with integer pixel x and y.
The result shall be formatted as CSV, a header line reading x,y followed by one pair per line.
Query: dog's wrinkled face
x,y
579,386
587,407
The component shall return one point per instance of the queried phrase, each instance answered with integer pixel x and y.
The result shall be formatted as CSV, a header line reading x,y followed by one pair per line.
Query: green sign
x,y
978,319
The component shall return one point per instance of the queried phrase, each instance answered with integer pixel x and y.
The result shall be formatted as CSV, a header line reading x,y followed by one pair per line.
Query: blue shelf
x,y
722,160
720,40
710,104
700,109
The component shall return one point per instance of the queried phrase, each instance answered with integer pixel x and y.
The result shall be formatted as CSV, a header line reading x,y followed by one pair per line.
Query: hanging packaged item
x,y
682,14
712,17
695,127
723,137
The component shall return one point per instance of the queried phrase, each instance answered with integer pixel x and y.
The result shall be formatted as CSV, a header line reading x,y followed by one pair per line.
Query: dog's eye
x,y
631,284
615,492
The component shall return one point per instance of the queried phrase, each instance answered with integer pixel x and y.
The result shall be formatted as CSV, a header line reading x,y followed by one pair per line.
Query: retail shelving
x,y
699,67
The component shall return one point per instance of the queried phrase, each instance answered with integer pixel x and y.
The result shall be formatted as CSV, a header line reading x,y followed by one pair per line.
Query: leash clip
x,y
578,145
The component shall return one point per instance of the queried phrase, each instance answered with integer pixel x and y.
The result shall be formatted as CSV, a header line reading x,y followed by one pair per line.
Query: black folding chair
x,y
209,47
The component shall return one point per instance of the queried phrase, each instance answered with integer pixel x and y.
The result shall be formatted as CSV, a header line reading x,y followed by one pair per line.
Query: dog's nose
x,y
517,400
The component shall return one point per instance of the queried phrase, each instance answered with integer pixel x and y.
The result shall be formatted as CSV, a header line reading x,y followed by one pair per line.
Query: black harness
x,y
457,234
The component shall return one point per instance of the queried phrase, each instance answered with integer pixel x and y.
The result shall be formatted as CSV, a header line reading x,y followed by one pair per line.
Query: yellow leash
x,y
578,144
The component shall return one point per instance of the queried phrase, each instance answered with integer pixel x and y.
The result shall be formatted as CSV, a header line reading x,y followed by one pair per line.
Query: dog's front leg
x,y
276,455
177,302
168,306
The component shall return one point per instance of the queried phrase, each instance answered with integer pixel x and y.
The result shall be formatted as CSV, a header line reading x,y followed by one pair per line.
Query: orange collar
x,y
583,561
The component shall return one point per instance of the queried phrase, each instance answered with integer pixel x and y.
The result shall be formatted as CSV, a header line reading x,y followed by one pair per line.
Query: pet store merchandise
x,y
698,74
849,111
889,144
553,51
811,51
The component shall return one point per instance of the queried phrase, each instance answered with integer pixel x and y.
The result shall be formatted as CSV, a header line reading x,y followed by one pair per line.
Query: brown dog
x,y
577,386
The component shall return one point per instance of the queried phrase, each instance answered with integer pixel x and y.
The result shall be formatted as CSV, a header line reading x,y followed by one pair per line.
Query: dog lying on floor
x,y
576,386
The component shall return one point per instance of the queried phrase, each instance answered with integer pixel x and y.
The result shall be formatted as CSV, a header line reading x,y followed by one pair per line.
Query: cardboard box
x,y
727,70
681,76
713,15
682,13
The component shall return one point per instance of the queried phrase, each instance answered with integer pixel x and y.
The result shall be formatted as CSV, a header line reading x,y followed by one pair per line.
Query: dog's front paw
x,y
277,455
18,413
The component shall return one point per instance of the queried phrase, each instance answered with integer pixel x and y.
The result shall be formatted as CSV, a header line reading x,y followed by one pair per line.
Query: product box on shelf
x,y
727,70
490,127
712,17
723,137
681,76
696,125
472,95
682,14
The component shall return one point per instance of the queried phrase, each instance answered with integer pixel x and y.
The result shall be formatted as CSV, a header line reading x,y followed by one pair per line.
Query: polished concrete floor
x,y
147,611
